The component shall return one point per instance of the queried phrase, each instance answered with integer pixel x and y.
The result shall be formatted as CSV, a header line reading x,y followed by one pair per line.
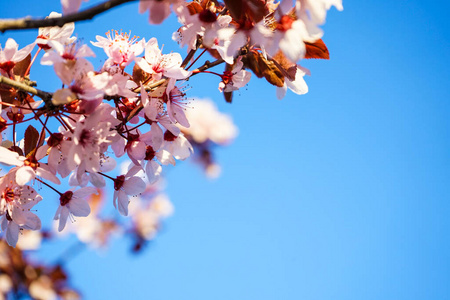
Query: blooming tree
x,y
133,111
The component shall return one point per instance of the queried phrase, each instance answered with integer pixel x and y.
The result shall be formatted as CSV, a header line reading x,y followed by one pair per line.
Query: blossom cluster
x,y
143,116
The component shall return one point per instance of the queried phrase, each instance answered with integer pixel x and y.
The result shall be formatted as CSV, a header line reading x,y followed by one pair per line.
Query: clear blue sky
x,y
342,193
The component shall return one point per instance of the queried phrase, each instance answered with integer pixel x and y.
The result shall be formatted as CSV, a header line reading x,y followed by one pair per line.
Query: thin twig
x,y
207,65
28,23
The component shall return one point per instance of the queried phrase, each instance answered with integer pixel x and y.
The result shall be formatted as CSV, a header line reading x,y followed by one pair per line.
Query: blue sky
x,y
338,194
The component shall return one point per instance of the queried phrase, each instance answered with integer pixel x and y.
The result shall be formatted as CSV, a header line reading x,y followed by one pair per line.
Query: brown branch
x,y
207,65
47,97
28,23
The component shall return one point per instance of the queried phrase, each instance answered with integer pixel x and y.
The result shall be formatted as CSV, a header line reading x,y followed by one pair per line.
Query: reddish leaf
x,y
235,7
271,71
139,75
194,8
228,96
287,67
21,67
255,9
31,138
16,149
250,61
317,49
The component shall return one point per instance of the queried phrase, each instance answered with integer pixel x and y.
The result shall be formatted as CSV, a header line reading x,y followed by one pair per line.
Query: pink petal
x,y
24,175
134,185
79,207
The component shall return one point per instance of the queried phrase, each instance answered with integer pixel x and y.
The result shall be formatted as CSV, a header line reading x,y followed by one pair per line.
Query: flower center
x,y
31,162
7,66
85,137
149,153
169,136
8,195
65,198
118,182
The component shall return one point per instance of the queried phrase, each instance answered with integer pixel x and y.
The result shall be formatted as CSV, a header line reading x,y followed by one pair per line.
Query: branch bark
x,y
28,23
47,97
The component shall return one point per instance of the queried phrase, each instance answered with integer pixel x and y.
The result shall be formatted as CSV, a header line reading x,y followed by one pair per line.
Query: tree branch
x,y
47,97
207,65
28,23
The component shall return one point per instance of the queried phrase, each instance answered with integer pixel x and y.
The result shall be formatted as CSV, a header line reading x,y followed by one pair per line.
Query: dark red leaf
x,y
31,138
228,96
21,67
317,49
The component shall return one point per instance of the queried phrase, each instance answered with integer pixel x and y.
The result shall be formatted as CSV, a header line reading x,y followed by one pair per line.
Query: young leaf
x,y
31,138
271,72
318,49
228,96
21,67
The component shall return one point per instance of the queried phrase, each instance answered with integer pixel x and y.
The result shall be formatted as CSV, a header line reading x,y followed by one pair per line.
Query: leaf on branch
x,y
318,49
228,96
139,75
263,67
287,67
257,9
21,67
250,61
7,93
17,150
254,9
158,91
31,139
194,8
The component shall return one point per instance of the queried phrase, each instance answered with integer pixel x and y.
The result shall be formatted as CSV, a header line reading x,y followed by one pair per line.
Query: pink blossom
x,y
208,124
69,62
297,84
205,24
15,204
178,146
289,34
159,64
73,203
234,79
124,186
27,168
90,138
119,47
176,104
71,6
159,10
55,37
10,55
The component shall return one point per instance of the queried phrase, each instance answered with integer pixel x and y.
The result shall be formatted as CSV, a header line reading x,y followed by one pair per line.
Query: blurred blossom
x,y
207,123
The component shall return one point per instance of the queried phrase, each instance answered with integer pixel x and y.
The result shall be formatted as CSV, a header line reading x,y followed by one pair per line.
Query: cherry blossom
x,y
159,10
159,64
55,37
73,203
178,146
125,186
15,204
131,106
176,104
120,48
10,55
297,85
208,124
234,79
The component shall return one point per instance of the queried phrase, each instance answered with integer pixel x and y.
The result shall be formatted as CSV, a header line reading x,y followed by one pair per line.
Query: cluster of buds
x,y
134,108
